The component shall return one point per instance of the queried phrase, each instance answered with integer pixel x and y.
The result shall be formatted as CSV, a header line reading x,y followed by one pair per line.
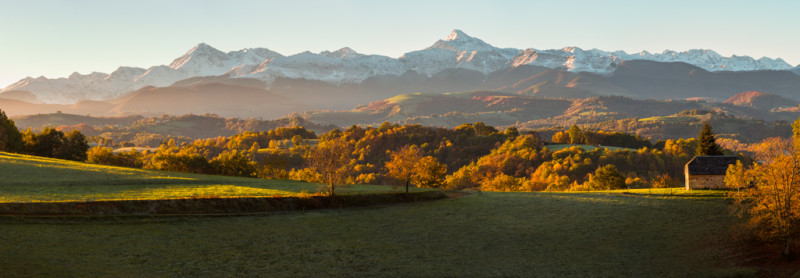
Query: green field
x,y
36,179
615,234
625,233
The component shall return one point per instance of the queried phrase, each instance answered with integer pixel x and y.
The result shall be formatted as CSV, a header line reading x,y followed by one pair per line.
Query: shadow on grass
x,y
213,205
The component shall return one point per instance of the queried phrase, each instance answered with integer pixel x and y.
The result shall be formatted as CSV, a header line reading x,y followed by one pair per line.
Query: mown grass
x,y
26,178
668,192
606,234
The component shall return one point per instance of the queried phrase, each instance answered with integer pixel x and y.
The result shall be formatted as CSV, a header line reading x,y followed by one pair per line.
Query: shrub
x,y
606,178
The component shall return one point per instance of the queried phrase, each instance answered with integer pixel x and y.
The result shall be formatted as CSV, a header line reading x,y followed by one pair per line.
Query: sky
x,y
55,38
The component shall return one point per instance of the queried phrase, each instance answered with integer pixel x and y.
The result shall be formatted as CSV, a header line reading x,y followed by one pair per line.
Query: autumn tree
x,y
234,163
768,194
408,165
706,143
430,173
53,143
402,165
606,178
331,159
575,135
560,137
170,157
511,132
105,156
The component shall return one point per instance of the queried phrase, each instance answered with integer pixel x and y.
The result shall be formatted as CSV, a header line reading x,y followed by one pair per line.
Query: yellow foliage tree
x,y
430,173
408,165
402,165
769,193
331,159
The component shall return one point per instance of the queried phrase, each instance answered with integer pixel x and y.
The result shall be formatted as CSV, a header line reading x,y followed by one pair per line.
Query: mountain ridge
x,y
458,50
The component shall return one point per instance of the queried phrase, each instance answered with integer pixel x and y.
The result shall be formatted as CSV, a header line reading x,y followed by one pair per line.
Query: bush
x,y
606,178
105,156
234,163
502,182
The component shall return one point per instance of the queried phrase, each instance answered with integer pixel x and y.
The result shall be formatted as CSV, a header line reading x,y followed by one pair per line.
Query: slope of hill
x,y
38,179
761,101
503,109
152,131
449,110
216,98
649,79
40,121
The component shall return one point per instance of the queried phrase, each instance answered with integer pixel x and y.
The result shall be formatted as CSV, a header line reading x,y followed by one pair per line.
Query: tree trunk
x,y
787,250
407,182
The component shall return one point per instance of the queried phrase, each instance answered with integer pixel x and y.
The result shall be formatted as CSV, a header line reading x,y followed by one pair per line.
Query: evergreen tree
x,y
706,144
74,148
10,137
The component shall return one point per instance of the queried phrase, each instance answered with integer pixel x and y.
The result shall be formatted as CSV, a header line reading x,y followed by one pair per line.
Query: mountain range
x,y
268,70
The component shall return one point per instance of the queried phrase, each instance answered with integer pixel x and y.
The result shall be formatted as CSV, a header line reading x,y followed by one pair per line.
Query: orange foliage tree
x,y
408,165
768,194
331,159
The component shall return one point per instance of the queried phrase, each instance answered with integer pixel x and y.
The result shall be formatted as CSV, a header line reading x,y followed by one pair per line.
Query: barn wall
x,y
706,182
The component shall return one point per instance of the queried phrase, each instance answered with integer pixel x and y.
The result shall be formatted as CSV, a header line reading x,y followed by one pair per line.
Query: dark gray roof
x,y
710,164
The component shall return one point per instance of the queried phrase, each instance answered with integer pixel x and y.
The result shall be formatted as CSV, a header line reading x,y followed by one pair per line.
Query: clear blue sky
x,y
55,38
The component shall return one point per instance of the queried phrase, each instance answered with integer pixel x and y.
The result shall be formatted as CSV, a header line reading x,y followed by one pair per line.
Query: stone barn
x,y
707,172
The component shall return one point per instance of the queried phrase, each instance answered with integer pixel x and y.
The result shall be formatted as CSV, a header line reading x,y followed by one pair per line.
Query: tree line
x,y
48,143
473,155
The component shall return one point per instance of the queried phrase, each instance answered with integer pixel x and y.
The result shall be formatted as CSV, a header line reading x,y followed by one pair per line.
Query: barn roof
x,y
710,165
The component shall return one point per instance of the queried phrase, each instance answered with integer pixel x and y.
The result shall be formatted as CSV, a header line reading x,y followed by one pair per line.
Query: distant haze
x,y
55,38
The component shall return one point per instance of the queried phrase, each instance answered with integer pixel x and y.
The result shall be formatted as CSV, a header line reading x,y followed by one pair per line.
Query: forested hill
x,y
141,131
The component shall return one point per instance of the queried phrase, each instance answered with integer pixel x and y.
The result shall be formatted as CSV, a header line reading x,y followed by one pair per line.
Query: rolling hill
x,y
29,179
762,101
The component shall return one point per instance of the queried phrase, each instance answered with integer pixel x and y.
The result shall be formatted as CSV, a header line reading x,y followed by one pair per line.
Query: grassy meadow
x,y
26,178
624,233
606,234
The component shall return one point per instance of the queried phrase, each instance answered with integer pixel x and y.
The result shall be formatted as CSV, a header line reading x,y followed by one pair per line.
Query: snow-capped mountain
x,y
710,60
458,50
340,66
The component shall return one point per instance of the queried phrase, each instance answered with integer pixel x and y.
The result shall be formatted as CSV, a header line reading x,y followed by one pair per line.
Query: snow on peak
x,y
459,41
457,34
709,60
457,50
344,52
252,56
125,73
201,53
